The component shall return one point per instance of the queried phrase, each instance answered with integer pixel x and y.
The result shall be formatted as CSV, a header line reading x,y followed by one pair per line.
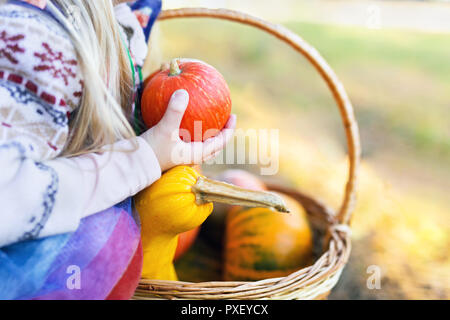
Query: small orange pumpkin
x,y
185,242
261,244
209,103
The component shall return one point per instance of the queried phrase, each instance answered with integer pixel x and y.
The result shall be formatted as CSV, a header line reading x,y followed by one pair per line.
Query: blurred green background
x,y
393,58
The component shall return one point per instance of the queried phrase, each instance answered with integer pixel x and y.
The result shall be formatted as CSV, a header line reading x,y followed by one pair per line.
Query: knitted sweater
x,y
41,193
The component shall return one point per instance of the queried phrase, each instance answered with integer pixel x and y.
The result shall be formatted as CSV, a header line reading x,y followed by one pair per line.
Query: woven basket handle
x,y
311,54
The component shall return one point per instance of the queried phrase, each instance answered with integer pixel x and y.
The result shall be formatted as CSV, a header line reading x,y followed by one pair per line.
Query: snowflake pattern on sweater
x,y
56,64
39,72
10,46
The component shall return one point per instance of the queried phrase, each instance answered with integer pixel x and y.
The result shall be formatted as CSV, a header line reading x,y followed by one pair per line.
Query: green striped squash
x,y
261,243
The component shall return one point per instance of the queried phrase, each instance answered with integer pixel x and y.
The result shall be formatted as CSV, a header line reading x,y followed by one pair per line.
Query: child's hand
x,y
166,143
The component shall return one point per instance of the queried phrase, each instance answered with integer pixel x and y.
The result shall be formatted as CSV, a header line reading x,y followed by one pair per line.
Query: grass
x,y
399,78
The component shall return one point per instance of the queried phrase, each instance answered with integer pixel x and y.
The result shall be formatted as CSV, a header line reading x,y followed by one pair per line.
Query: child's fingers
x,y
217,143
175,111
210,148
204,151
196,151
211,157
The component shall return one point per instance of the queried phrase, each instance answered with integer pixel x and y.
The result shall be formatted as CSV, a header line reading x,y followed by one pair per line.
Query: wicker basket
x,y
316,281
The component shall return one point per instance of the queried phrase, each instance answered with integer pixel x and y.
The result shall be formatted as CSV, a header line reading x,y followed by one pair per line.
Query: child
x,y
69,79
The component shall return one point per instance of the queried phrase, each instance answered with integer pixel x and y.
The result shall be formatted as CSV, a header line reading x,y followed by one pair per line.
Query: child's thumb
x,y
175,110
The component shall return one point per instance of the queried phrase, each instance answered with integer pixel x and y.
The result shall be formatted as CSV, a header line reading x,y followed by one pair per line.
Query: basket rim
x,y
310,282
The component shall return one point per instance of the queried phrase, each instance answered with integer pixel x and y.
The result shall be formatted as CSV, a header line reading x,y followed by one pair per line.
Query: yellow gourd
x,y
179,201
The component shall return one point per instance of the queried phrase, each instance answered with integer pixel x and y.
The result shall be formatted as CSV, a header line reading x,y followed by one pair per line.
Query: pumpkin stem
x,y
207,190
174,68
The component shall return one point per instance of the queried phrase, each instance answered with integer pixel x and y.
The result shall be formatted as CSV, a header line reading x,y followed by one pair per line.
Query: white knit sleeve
x,y
94,182
40,199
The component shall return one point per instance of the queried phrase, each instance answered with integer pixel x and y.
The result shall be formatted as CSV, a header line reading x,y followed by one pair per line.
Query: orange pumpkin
x,y
185,242
209,102
261,244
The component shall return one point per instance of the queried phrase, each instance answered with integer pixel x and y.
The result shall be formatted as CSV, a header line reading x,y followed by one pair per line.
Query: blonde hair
x,y
107,76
